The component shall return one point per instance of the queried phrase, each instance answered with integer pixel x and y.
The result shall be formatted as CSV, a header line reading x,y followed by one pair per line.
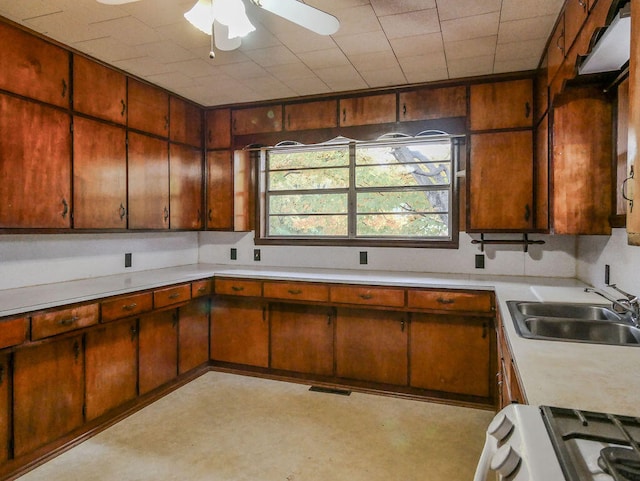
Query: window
x,y
351,192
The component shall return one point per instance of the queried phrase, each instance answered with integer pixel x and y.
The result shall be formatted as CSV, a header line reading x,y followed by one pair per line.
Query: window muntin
x,y
393,190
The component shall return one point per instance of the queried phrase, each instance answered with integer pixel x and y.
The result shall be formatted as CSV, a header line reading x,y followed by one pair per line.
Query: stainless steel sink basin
x,y
588,323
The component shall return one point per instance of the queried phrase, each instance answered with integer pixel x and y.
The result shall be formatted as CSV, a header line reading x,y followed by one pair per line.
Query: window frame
x,y
451,242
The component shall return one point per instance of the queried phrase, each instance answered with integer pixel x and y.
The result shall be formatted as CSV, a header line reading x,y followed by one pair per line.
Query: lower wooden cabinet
x,y
450,353
158,350
111,367
372,345
48,393
193,335
5,408
302,338
240,332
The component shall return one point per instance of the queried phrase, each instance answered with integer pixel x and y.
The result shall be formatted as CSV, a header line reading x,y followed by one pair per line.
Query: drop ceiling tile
x,y
469,67
363,43
332,57
131,30
305,41
418,45
185,35
307,86
159,12
391,7
269,87
420,63
260,38
470,27
330,6
384,77
519,9
108,49
244,70
374,61
526,29
410,24
196,68
516,65
166,51
142,66
427,75
356,20
471,48
519,50
64,27
20,10
268,57
222,57
450,10
296,70
171,80
342,78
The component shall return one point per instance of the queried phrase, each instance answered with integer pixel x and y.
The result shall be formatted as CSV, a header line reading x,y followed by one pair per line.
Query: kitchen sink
x,y
589,323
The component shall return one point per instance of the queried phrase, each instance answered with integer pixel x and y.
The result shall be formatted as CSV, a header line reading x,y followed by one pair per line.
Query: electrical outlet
x,y
607,274
127,260
479,261
363,257
234,254
256,254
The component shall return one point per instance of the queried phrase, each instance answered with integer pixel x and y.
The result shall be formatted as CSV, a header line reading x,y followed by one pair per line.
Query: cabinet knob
x,y
527,109
1,374
68,321
124,107
527,212
583,4
442,300
64,88
166,214
129,307
210,215
134,332
122,211
65,208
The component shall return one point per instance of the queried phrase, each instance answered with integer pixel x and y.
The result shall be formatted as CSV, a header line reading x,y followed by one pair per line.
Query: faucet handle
x,y
631,297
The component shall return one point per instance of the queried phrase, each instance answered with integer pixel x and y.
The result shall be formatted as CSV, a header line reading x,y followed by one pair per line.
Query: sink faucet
x,y
629,304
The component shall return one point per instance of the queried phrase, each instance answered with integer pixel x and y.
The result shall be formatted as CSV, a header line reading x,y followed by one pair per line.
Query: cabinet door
x,y
35,165
501,181
33,67
148,182
193,335
185,167
218,129
185,122
582,164
501,105
575,13
148,108
556,50
311,115
374,109
99,175
450,354
541,172
111,367
48,393
433,103
256,120
220,190
240,332
99,91
158,351
372,346
302,338
5,408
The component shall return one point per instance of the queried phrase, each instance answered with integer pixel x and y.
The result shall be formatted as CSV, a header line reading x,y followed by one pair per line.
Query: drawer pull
x,y
68,321
175,295
202,289
237,288
295,292
366,297
129,307
442,300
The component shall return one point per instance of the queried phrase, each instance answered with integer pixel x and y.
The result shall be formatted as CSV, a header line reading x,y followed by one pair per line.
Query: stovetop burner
x,y
623,464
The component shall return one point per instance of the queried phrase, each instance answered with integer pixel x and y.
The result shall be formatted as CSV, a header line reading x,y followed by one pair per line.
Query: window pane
x,y
403,225
309,225
403,175
299,159
309,179
427,152
308,204
403,202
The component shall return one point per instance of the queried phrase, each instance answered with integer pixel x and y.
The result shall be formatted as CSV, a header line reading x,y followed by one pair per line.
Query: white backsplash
x,y
41,259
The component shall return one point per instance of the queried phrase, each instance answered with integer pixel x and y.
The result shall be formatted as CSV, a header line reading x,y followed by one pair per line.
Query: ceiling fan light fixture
x,y
233,14
201,16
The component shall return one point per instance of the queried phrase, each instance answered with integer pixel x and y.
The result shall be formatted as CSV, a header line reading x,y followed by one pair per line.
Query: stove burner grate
x,y
623,464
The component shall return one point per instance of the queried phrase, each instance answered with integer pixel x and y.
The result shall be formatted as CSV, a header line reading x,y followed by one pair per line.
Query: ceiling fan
x,y
227,22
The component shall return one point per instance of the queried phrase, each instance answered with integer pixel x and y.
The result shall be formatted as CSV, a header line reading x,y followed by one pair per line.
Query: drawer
x,y
238,287
201,288
372,296
57,322
171,295
13,331
126,306
297,290
451,300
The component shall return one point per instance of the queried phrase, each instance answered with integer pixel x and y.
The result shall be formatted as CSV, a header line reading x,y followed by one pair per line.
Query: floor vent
x,y
328,390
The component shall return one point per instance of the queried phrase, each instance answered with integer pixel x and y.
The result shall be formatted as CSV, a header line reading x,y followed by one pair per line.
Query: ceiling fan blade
x,y
116,2
222,40
304,15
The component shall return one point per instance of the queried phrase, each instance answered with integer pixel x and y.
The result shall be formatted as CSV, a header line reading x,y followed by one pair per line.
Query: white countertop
x,y
584,376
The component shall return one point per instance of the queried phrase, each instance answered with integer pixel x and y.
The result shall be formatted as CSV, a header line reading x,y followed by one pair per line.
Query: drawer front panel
x,y
296,290
238,287
171,295
372,296
451,300
126,306
13,332
57,322
201,288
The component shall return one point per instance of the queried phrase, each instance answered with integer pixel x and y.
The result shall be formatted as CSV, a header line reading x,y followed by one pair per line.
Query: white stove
x,y
527,443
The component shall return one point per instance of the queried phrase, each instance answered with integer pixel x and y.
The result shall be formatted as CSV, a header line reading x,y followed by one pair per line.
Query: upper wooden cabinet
x,y
257,120
433,103
575,14
501,105
99,91
556,50
35,165
185,122
633,215
582,164
99,175
5,408
372,109
500,182
219,211
33,67
218,129
541,175
148,182
311,115
185,167
148,108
